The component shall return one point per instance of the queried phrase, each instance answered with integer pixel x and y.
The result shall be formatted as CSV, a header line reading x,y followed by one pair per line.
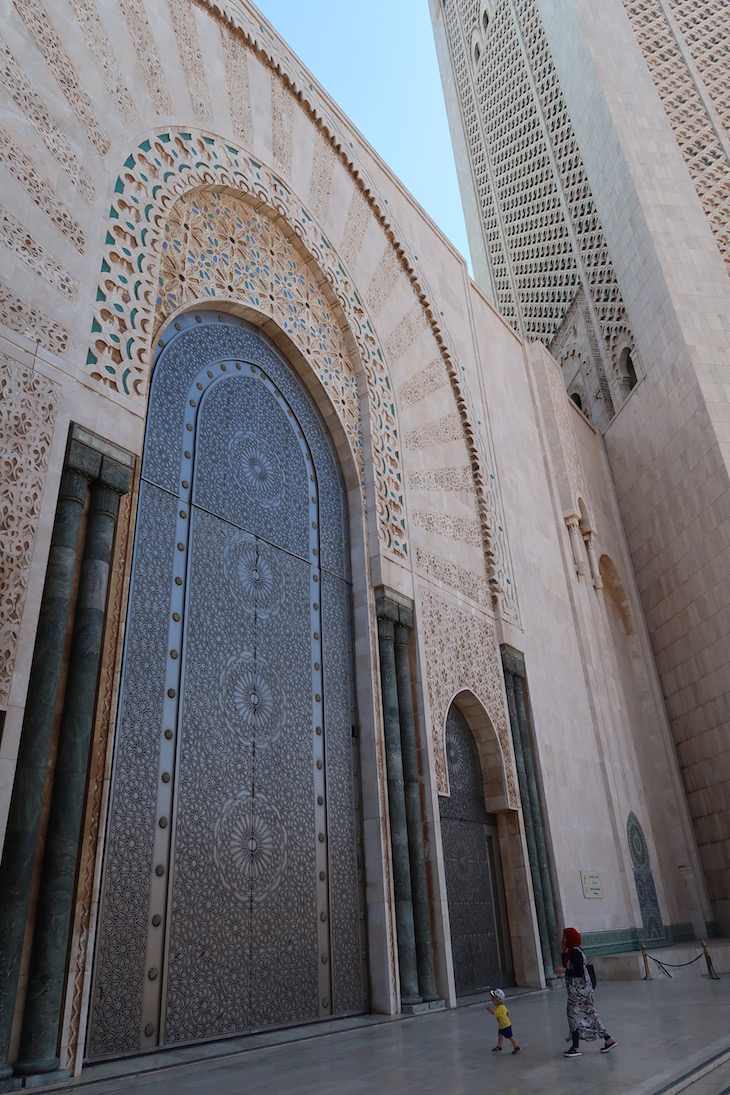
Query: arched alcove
x,y
470,838
651,916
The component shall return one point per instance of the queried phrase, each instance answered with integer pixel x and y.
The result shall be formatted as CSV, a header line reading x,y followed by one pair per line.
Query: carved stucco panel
x,y
431,378
21,316
239,92
27,415
26,173
182,15
27,100
323,165
149,59
100,46
460,650
17,238
40,27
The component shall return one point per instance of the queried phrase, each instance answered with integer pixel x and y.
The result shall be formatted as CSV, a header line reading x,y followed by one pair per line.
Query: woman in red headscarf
x,y
583,1019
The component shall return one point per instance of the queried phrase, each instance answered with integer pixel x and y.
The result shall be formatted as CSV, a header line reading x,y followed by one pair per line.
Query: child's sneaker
x,y
497,1049
515,1051
572,1052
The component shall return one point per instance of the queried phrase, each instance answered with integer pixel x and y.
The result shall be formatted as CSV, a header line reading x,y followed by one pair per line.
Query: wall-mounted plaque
x,y
591,884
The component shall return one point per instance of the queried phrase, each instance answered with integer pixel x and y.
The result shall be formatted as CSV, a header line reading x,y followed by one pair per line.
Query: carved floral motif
x,y
27,414
472,664
20,316
26,173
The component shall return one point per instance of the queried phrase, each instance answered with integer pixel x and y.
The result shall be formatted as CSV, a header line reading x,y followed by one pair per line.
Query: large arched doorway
x,y
232,891
477,912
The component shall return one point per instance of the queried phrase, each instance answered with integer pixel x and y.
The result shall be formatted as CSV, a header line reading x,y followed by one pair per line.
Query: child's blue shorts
x,y
506,1032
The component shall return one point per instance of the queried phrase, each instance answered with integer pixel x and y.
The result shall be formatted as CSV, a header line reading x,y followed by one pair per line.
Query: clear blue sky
x,y
377,60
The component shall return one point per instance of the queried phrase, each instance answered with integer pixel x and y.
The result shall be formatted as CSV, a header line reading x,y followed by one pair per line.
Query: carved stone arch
x,y
488,746
169,163
329,366
160,172
477,45
453,638
577,393
584,510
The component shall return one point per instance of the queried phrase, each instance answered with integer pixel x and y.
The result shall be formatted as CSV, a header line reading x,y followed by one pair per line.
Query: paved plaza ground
x,y
667,1031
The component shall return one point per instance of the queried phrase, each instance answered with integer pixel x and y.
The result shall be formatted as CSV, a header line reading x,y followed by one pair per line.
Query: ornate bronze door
x,y
231,897
471,873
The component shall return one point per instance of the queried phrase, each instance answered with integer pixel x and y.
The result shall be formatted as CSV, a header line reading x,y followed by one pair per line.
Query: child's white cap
x,y
497,994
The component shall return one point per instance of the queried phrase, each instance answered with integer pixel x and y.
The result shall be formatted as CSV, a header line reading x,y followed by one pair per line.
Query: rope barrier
x,y
678,965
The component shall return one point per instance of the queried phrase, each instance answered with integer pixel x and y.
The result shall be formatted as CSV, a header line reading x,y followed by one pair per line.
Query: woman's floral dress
x,y
583,1019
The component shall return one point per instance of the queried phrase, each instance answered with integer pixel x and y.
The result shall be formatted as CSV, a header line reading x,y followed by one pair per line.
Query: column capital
x,y
104,499
97,458
393,606
513,661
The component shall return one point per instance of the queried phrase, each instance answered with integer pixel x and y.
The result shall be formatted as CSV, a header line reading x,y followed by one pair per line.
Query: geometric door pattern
x,y
469,872
232,891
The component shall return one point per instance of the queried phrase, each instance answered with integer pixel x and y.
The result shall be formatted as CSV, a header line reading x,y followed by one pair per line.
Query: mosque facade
x,y
593,150
326,682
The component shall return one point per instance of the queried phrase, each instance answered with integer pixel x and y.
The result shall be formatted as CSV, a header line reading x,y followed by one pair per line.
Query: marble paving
x,y
665,1029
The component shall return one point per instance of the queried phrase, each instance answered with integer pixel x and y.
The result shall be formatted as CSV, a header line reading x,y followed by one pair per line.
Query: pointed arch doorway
x,y
480,947
232,892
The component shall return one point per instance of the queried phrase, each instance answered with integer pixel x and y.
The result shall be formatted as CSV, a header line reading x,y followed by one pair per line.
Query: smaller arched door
x,y
475,891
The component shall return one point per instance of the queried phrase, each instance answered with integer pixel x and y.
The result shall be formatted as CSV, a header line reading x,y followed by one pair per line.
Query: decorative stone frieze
x,y
22,317
182,16
147,55
100,46
29,102
25,172
40,27
16,237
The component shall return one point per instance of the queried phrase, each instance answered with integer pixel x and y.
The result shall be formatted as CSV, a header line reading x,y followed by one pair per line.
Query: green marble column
x,y
407,963
54,915
540,846
18,859
414,817
529,824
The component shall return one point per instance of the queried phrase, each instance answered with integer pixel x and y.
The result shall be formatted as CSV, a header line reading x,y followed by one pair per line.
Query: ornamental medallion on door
x,y
232,887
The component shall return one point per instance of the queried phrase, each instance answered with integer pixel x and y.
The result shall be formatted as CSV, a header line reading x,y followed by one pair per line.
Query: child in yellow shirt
x,y
501,1014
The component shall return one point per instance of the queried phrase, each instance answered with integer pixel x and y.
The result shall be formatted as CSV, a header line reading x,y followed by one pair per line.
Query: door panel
x,y
469,872
232,893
